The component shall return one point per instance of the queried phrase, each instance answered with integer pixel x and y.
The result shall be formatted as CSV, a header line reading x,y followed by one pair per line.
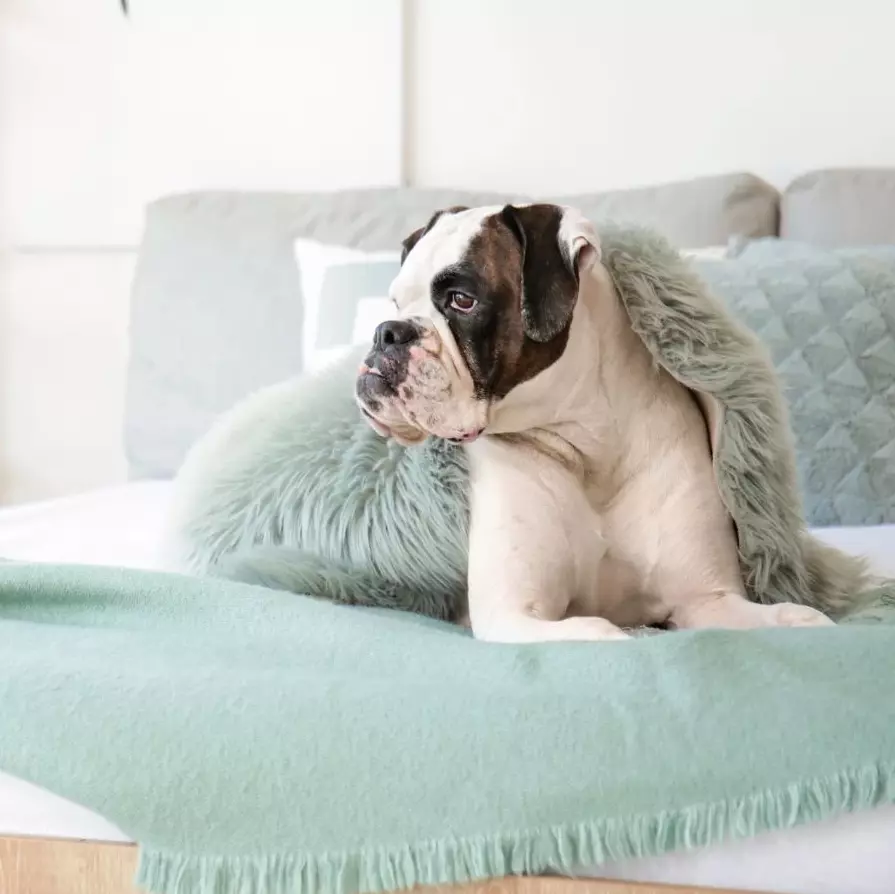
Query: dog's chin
x,y
409,437
402,432
464,433
384,411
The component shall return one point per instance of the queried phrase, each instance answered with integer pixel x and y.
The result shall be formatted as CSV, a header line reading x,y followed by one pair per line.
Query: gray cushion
x,y
828,319
838,208
216,305
693,213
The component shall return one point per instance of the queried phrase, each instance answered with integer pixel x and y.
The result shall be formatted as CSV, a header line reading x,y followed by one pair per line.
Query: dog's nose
x,y
392,333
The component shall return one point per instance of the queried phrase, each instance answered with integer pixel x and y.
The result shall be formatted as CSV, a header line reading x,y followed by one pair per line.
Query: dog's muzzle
x,y
408,387
384,369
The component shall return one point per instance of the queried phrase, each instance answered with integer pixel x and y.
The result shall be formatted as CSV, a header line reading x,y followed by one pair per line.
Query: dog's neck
x,y
598,389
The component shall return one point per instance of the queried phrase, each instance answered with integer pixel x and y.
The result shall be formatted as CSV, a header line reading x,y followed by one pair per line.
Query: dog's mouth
x,y
383,371
381,379
373,383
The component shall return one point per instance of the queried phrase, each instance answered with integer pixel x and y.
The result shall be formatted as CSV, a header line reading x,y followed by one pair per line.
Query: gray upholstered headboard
x,y
217,306
840,208
216,309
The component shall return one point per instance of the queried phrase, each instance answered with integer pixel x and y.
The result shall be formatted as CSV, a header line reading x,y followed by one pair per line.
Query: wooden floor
x,y
50,866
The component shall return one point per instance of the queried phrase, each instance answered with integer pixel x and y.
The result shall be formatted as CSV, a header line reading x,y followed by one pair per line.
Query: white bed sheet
x,y
854,853
114,526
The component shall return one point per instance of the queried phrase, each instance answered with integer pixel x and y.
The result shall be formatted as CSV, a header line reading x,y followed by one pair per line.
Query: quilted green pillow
x,y
828,319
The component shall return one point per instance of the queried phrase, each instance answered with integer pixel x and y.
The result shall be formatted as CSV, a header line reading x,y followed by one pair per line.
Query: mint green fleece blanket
x,y
256,741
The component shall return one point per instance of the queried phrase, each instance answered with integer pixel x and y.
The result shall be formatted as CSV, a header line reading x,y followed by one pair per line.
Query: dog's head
x,y
484,301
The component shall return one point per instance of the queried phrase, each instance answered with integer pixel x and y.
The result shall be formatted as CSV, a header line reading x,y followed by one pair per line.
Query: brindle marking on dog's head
x,y
526,287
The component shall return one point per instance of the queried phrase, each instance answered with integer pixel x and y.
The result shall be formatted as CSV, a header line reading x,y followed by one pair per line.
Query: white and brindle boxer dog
x,y
593,502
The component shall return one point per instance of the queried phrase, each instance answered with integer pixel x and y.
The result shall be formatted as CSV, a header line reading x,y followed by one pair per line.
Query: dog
x,y
594,505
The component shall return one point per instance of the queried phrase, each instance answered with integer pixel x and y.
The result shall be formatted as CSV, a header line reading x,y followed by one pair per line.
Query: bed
x,y
122,525
228,257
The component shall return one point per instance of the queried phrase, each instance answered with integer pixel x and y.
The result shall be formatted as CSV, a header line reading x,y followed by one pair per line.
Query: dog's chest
x,y
640,504
618,560
608,512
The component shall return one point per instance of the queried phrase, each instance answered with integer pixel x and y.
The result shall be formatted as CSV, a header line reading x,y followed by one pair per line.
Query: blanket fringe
x,y
563,849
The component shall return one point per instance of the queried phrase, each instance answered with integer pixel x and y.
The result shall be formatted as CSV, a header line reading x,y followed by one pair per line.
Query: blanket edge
x,y
565,849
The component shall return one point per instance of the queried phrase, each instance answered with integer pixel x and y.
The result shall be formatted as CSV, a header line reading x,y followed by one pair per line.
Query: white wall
x,y
63,154
63,355
97,115
593,94
267,94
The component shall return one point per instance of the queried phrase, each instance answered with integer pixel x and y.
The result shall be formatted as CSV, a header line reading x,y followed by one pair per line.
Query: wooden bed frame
x,y
57,866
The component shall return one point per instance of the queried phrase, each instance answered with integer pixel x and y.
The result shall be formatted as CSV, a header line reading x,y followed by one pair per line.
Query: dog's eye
x,y
461,303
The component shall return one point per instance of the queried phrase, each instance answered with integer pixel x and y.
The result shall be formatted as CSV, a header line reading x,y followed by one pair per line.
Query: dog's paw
x,y
588,628
788,614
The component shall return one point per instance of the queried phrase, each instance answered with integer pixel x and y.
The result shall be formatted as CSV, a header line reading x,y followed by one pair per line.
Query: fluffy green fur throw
x,y
291,488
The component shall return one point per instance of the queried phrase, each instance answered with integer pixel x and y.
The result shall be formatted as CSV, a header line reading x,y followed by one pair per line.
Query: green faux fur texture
x,y
291,489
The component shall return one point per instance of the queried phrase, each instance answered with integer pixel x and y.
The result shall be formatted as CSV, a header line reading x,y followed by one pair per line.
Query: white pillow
x,y
345,293
710,253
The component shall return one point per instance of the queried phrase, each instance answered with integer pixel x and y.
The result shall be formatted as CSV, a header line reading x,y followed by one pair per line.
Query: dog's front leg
x,y
733,611
528,548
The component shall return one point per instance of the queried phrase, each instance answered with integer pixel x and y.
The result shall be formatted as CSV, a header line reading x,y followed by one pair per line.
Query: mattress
x,y
853,853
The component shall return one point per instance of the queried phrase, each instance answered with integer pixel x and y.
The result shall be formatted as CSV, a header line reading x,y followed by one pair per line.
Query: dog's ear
x,y
556,242
416,235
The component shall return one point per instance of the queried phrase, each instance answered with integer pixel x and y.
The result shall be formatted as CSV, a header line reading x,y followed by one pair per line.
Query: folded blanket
x,y
255,741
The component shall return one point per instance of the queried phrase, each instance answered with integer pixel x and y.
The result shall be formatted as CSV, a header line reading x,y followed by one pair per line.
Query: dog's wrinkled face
x,y
484,301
